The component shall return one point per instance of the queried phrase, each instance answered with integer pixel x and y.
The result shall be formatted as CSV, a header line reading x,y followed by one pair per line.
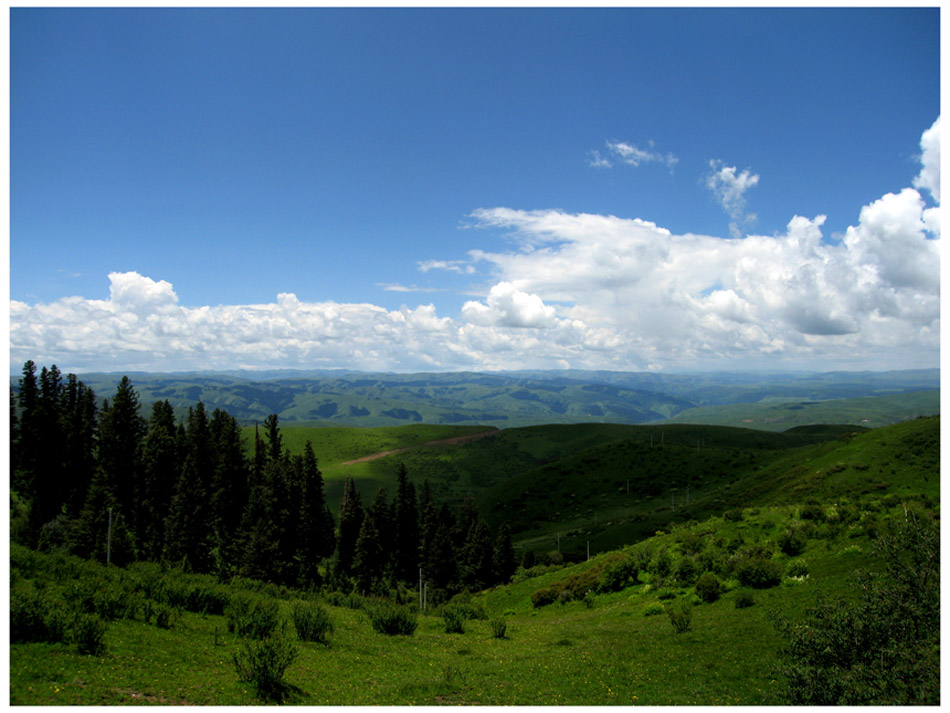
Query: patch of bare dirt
x,y
441,442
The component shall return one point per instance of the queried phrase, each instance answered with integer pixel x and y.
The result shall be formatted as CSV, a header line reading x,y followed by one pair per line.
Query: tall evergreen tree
x,y
188,528
371,558
81,415
317,537
405,529
161,469
504,563
121,430
476,572
230,490
350,522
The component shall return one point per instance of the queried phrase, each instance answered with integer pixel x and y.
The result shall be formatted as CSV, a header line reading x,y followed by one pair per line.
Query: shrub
x,y
744,600
453,619
391,619
653,608
34,617
798,568
617,573
311,622
543,597
759,572
252,616
498,627
589,600
680,617
89,633
263,663
883,649
564,596
708,587
686,571
792,541
812,510
733,515
164,617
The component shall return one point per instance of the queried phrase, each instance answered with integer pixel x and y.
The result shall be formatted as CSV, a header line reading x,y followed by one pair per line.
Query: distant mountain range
x,y
521,398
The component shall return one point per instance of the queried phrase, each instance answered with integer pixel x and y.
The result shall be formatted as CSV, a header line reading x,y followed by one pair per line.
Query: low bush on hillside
x,y
453,619
653,608
36,617
263,664
89,633
792,541
883,649
544,596
708,587
252,616
759,573
391,619
617,573
311,622
681,617
498,627
745,600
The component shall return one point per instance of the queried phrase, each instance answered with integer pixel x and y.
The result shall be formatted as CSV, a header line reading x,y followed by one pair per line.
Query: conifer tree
x,y
317,536
351,520
371,556
121,430
229,490
161,468
475,571
405,529
503,557
80,418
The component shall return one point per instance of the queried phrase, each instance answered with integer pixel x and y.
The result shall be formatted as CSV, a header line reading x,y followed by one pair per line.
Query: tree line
x,y
103,482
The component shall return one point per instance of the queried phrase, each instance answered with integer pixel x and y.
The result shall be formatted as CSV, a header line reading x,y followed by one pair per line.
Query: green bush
x,y
745,600
164,617
498,627
391,619
681,617
653,608
733,515
263,663
36,617
883,649
617,573
759,572
311,622
543,597
686,571
792,541
89,634
453,619
797,568
252,616
708,587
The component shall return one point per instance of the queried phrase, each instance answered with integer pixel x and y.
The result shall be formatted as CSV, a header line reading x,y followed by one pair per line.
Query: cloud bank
x,y
574,290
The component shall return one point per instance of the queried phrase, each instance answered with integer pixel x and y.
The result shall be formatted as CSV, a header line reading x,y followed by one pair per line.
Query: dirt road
x,y
442,442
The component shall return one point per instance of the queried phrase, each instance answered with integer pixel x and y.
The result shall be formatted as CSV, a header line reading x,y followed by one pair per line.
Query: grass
x,y
561,654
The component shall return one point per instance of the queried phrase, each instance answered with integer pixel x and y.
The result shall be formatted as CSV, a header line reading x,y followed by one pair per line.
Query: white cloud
x,y
459,266
631,155
729,188
577,289
929,177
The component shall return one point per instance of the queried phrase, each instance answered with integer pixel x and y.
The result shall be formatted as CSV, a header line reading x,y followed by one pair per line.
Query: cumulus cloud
x,y
729,189
574,289
629,154
929,177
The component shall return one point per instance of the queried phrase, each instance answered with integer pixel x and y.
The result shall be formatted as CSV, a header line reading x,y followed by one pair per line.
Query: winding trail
x,y
441,442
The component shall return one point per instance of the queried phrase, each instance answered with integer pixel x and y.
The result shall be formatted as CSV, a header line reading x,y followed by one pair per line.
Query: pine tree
x,y
406,529
350,522
80,418
475,570
161,468
317,536
503,557
230,490
188,531
371,557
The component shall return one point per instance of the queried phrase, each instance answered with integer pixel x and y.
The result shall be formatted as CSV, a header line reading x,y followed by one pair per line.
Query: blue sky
x,y
415,189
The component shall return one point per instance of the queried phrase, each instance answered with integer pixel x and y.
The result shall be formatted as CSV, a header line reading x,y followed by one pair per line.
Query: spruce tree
x,y
503,557
371,556
317,537
350,522
406,529
230,490
161,468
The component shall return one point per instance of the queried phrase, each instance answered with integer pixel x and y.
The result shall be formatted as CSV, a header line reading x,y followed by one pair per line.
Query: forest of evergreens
x,y
102,481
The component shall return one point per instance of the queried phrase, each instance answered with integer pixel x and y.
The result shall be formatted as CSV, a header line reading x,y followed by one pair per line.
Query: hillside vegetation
x,y
691,615
512,399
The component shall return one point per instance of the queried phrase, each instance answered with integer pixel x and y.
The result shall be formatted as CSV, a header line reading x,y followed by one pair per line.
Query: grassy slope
x,y
871,412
